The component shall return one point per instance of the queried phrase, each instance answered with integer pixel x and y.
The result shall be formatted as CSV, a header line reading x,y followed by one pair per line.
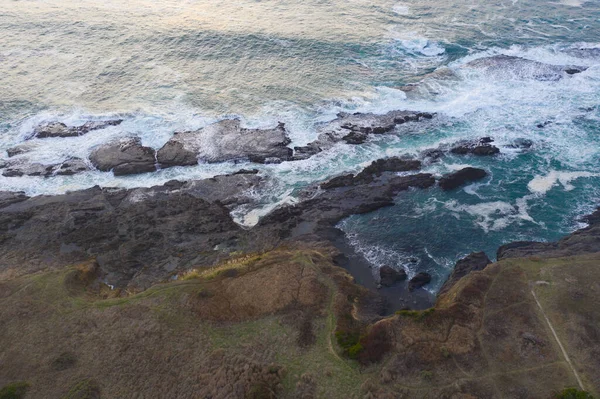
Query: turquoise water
x,y
166,65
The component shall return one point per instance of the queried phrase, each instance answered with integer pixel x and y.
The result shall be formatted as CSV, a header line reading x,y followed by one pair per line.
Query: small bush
x,y
86,389
416,314
350,343
426,375
15,390
64,361
573,393
376,343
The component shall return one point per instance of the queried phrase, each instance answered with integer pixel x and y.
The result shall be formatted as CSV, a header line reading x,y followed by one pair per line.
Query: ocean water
x,y
166,65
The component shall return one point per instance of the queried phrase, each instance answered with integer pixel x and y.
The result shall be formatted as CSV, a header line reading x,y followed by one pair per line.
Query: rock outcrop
x,y
481,147
356,128
124,157
476,261
226,141
456,179
419,280
389,276
23,168
59,129
510,67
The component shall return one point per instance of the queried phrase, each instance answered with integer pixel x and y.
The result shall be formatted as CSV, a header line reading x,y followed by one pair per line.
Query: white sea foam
x,y
543,184
495,215
401,9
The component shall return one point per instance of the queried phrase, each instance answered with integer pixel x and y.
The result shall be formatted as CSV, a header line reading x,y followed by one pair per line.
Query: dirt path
x,y
562,348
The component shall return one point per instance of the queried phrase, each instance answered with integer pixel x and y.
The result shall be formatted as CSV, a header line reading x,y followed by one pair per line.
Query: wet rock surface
x,y
59,129
510,67
356,128
389,276
459,178
226,141
418,281
124,157
583,241
141,236
24,168
474,262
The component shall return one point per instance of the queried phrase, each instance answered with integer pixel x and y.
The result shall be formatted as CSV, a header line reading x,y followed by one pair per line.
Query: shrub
x,y
15,390
375,344
350,343
64,361
416,314
86,389
574,393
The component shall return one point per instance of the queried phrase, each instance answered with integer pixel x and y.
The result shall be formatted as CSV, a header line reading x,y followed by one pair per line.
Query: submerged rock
x,y
454,180
226,141
473,262
481,147
356,128
510,67
59,129
419,281
390,276
124,157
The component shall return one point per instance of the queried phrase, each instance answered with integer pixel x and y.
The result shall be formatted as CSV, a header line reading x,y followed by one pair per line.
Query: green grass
x,y
16,390
574,393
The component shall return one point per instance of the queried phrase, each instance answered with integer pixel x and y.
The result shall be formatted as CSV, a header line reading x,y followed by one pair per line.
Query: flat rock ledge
x,y
24,168
59,129
356,128
454,180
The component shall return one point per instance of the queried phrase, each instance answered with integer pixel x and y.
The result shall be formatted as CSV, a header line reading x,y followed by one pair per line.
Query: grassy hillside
x,y
289,323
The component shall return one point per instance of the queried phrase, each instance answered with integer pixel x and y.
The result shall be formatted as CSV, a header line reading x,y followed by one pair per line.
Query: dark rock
x,y
246,172
419,281
454,180
71,167
305,152
8,198
124,157
376,169
355,137
27,169
394,164
339,181
226,141
583,241
509,67
484,150
59,129
355,128
173,153
20,149
481,147
138,237
24,168
389,276
521,144
473,262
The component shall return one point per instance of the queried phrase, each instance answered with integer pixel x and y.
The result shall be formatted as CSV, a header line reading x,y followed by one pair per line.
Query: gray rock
x,y
389,276
419,281
59,129
124,157
356,128
509,67
24,168
474,262
454,180
226,141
